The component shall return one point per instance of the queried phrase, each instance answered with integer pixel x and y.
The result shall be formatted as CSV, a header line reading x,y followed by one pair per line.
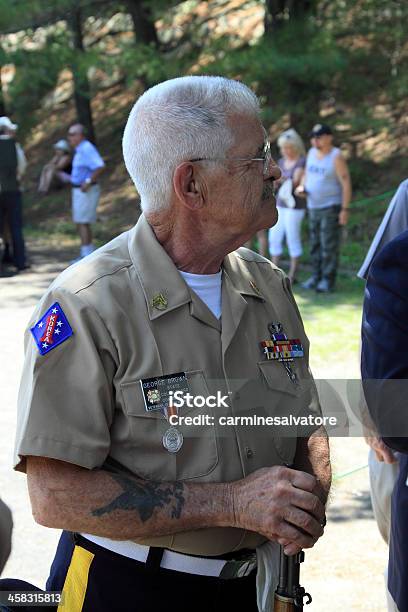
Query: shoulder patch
x,y
51,330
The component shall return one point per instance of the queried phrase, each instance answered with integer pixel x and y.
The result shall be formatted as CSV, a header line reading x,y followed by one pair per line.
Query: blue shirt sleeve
x,y
384,357
94,160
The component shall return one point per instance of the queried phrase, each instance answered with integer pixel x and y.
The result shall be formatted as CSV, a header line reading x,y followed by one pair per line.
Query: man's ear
x,y
188,185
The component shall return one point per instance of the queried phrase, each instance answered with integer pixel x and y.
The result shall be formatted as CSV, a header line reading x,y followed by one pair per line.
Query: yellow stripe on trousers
x,y
76,581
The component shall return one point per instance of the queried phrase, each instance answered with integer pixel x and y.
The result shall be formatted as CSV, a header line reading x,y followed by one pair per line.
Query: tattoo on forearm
x,y
145,497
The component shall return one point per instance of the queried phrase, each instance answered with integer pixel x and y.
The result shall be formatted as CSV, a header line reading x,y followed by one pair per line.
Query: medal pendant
x,y
282,349
172,440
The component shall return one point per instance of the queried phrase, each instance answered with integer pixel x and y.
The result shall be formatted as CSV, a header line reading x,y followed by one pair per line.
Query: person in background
x,y
87,166
384,371
382,460
394,222
291,207
327,187
57,171
12,168
262,243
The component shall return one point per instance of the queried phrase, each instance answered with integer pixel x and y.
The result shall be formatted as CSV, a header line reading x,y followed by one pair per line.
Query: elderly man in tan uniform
x,y
156,512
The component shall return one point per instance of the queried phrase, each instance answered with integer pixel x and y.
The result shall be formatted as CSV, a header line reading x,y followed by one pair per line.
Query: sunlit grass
x,y
333,321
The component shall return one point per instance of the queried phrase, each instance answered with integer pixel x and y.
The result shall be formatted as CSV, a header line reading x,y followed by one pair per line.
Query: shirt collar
x,y
163,285
239,275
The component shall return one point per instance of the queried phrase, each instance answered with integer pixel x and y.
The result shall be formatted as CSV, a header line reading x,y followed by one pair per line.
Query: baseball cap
x,y
319,129
6,123
63,145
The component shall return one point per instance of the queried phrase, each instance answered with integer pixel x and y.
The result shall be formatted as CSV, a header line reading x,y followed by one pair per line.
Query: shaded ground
x,y
345,569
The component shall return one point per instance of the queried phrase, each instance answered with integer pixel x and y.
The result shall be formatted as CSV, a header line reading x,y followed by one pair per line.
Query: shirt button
x,y
249,452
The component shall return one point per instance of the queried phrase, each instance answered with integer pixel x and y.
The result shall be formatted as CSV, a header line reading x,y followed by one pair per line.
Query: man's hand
x,y
282,504
300,191
85,186
344,216
382,452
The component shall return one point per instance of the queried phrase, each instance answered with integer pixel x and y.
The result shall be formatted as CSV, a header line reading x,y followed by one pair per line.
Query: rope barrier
x,y
344,474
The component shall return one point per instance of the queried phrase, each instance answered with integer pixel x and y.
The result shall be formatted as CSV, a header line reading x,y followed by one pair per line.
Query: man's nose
x,y
274,172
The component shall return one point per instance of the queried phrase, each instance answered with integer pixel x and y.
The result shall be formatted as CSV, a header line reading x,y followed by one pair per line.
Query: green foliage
x,y
36,75
141,61
342,54
291,71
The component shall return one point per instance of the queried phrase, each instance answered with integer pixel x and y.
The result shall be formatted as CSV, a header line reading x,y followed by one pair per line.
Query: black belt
x,y
76,186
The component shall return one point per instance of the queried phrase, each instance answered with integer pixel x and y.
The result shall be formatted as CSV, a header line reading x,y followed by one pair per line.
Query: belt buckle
x,y
238,568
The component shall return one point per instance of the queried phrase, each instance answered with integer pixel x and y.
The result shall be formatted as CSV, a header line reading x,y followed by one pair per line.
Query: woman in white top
x,y
291,208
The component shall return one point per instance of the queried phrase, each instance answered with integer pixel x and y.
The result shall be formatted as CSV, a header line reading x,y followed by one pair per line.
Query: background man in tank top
x,y
327,187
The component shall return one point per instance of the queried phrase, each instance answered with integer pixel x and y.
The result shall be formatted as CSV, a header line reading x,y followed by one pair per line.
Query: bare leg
x,y
294,261
262,243
85,233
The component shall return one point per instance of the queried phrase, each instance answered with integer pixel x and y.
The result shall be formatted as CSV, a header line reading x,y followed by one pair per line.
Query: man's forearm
x,y
313,456
276,502
346,197
123,507
97,174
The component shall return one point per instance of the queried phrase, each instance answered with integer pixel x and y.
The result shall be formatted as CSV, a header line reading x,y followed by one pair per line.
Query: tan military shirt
x,y
133,317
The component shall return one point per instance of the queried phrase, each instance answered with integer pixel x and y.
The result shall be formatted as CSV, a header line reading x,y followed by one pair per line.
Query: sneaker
x,y
310,283
323,286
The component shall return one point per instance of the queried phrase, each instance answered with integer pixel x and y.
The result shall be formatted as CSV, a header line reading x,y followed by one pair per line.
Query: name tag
x,y
156,390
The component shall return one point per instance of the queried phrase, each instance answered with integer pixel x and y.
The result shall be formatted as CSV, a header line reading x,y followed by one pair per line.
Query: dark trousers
x,y
11,212
398,559
94,579
324,232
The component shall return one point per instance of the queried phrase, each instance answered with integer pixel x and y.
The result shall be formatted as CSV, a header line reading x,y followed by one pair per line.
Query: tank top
x,y
288,174
322,185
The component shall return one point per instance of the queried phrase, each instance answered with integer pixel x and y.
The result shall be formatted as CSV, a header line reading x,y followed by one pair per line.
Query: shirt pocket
x,y
198,455
283,399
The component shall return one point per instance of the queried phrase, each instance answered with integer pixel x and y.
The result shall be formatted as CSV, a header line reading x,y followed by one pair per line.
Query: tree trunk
x,y
82,90
278,12
2,104
274,13
143,23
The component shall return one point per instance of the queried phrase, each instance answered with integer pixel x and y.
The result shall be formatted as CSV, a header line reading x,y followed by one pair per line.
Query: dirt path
x,y
343,572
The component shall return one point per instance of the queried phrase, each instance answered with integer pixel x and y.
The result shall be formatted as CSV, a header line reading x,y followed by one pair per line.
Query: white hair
x,y
291,137
178,120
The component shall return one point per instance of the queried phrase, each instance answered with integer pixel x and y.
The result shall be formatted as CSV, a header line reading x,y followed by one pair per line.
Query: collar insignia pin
x,y
254,287
159,301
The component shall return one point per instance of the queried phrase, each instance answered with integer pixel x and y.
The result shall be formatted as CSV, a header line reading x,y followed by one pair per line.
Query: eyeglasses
x,y
266,158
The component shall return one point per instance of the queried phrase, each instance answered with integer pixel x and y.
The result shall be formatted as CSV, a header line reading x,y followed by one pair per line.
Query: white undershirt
x,y
208,289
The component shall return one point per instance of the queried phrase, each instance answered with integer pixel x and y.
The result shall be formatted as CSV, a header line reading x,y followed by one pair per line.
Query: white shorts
x,y
288,225
84,204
